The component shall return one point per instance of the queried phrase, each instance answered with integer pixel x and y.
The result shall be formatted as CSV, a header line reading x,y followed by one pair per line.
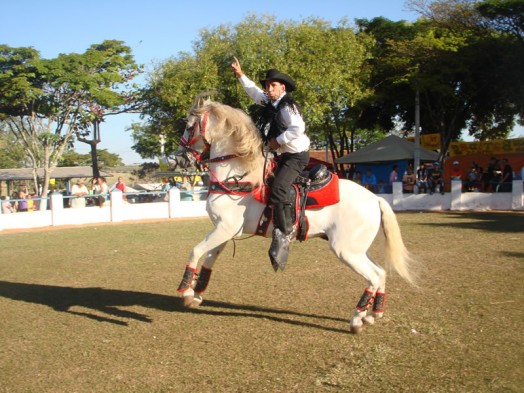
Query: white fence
x,y
115,210
118,211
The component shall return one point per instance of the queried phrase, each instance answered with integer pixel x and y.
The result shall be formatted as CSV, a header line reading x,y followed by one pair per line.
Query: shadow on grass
x,y
110,301
485,221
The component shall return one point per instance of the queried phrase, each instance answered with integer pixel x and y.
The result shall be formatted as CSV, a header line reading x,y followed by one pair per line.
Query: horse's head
x,y
193,144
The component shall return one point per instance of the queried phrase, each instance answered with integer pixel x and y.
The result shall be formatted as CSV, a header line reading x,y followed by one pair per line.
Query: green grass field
x,y
95,309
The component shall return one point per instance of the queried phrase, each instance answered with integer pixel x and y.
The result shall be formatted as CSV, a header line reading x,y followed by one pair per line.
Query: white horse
x,y
236,158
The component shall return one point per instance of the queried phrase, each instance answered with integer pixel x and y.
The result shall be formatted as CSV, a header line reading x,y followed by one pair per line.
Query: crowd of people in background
x,y
95,193
497,176
19,201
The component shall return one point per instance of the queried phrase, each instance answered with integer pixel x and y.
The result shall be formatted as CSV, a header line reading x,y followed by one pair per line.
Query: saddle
x,y
313,189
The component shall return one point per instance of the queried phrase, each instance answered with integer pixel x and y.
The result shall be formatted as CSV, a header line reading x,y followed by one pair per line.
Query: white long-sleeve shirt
x,y
294,138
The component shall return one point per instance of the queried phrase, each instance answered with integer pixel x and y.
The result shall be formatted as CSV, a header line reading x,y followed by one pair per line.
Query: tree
x,y
505,16
46,103
72,158
468,74
328,64
13,155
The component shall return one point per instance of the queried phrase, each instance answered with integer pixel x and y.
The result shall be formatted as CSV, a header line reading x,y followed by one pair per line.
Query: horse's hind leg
x,y
374,294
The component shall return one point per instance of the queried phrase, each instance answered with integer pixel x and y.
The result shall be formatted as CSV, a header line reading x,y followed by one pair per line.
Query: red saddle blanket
x,y
325,195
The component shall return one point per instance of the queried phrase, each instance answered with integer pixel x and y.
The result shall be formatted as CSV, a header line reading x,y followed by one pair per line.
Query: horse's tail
x,y
396,252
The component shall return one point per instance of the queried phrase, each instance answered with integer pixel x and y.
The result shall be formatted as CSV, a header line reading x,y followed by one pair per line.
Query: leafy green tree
x,y
467,72
328,64
13,155
505,16
46,103
72,158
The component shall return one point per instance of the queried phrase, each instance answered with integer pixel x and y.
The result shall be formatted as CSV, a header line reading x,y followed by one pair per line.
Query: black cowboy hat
x,y
276,75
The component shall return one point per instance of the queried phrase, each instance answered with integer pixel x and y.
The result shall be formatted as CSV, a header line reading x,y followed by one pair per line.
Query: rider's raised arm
x,y
256,93
252,90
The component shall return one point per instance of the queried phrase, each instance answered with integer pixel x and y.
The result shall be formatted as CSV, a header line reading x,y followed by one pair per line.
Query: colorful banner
x,y
428,141
490,148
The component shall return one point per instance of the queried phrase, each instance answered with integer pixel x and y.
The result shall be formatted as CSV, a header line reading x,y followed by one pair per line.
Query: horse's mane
x,y
236,127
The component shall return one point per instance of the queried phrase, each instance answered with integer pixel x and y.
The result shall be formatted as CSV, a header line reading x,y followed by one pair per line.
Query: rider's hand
x,y
235,66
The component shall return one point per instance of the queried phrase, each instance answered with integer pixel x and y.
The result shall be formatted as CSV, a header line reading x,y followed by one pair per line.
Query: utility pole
x,y
417,131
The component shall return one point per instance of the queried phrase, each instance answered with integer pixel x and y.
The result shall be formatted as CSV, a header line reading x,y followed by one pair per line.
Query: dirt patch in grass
x,y
95,309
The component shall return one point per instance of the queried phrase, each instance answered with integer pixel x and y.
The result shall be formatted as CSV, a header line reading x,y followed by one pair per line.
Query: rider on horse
x,y
284,131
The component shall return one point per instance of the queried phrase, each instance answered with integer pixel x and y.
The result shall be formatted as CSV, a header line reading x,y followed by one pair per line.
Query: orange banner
x,y
428,141
497,147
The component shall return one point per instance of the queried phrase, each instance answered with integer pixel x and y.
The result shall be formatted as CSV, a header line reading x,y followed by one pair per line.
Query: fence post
x,y
117,206
517,194
397,196
456,195
173,201
57,208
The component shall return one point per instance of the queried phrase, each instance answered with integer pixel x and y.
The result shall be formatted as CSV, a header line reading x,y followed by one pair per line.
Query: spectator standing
x,y
22,203
7,207
79,191
393,176
14,200
120,185
506,181
472,179
491,177
435,179
422,178
166,186
456,174
100,190
369,181
408,181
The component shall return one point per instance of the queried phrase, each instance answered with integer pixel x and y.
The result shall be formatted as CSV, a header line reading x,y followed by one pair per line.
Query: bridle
x,y
195,133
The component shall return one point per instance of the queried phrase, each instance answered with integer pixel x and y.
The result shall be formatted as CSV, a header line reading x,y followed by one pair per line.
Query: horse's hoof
x,y
356,329
369,319
192,301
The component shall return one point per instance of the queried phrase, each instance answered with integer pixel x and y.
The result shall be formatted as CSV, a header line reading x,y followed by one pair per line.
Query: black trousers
x,y
290,165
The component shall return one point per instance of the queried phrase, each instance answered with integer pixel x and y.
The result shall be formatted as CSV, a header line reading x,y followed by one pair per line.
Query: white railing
x,y
456,199
114,210
117,210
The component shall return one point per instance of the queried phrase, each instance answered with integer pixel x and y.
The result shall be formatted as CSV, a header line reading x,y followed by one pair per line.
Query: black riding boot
x,y
282,235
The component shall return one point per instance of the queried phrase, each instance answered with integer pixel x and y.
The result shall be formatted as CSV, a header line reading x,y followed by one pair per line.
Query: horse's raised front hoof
x,y
192,301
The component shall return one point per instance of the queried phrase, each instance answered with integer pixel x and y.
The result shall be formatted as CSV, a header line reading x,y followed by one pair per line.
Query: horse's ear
x,y
203,98
201,101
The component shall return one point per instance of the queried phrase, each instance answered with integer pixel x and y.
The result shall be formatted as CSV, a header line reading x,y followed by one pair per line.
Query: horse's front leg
x,y
194,283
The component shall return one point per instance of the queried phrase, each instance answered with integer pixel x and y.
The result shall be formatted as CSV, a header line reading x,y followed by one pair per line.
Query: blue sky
x,y
155,30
